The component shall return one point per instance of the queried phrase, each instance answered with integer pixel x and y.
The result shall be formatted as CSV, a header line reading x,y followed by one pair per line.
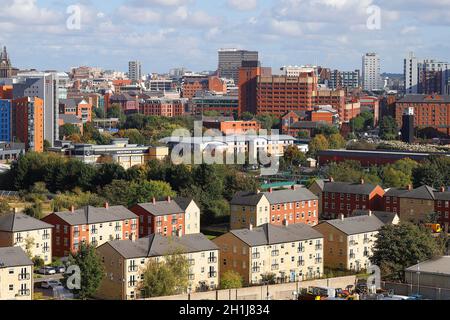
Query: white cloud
x,y
243,5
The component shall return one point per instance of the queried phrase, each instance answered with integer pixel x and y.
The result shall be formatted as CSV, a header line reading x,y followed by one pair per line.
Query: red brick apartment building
x,y
164,107
28,122
277,207
234,127
431,111
172,217
193,84
342,198
261,92
91,225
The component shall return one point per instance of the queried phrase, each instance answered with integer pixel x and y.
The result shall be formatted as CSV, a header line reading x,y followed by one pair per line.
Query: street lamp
x,y
418,277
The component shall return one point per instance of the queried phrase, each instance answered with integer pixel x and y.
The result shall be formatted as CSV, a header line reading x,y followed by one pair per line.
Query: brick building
x,y
224,105
163,107
28,122
90,225
233,127
172,217
430,111
78,107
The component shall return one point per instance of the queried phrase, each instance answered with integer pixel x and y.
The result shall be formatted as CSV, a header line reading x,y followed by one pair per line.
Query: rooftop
x,y
19,222
92,215
14,257
438,265
351,188
162,208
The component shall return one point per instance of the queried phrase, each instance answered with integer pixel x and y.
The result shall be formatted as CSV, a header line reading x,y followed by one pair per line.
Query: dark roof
x,y
246,198
70,118
346,187
423,98
300,114
423,192
445,196
156,245
394,192
91,215
18,222
384,216
358,224
438,265
289,195
269,234
162,208
73,103
14,257
309,125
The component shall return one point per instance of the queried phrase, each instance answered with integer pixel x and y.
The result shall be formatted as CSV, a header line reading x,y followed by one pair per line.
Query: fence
x,y
273,292
406,289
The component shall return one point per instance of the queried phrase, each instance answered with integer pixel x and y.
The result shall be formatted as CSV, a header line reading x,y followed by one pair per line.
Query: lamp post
x,y
418,277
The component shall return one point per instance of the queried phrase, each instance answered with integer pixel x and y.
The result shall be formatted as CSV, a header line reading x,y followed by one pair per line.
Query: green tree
x,y
294,157
231,280
247,116
35,210
318,143
347,171
388,128
434,172
4,207
135,121
400,246
269,278
115,111
91,270
268,121
336,141
134,136
68,129
167,277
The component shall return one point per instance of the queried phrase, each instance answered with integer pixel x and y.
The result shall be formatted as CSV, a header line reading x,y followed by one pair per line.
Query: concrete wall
x,y
405,289
276,292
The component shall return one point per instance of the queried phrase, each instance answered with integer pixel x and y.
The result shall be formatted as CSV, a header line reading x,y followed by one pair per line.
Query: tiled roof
x,y
18,222
423,98
358,224
438,265
246,198
274,197
162,208
352,188
394,192
14,257
269,234
423,192
92,215
157,245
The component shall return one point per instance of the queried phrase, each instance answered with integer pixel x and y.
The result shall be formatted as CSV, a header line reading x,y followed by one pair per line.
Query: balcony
x,y
300,263
319,260
191,262
132,268
94,231
275,267
117,228
256,269
45,236
352,243
24,276
212,259
212,274
275,253
76,234
352,256
366,253
366,240
23,293
132,284
191,276
256,255
133,226
319,247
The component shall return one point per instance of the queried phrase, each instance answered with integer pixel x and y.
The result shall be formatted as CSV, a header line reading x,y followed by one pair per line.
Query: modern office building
x,y
344,79
135,71
224,105
432,76
371,77
411,74
28,123
5,120
230,61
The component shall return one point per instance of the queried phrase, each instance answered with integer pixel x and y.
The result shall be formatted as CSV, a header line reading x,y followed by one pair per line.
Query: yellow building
x,y
349,242
125,262
32,235
16,274
290,253
417,204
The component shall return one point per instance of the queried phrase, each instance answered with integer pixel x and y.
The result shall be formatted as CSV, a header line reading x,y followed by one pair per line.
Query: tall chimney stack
x,y
169,199
106,205
72,209
154,200
342,217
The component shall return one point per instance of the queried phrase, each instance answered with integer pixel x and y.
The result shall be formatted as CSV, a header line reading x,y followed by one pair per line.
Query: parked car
x,y
47,270
60,269
50,284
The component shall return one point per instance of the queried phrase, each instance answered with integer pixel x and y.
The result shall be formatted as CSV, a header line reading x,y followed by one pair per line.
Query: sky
x,y
165,34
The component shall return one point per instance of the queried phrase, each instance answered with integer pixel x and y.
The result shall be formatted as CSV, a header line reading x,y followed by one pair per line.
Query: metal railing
x,y
24,276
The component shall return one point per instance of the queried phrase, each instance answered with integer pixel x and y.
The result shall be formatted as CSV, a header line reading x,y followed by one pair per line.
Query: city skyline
x,y
165,34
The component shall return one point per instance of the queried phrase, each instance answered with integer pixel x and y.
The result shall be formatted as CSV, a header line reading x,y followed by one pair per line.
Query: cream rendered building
x,y
291,253
16,274
125,262
349,242
253,209
32,235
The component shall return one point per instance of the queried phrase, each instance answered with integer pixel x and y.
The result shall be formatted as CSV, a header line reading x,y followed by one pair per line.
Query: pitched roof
x,y
358,224
91,215
438,265
384,216
14,257
394,192
423,192
18,222
246,198
289,195
156,245
70,118
445,196
423,98
346,187
162,208
268,234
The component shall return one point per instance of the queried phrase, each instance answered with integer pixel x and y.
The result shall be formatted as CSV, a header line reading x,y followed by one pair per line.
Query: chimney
x,y
293,187
342,217
72,209
443,189
15,210
370,213
410,187
331,179
362,181
106,205
179,233
250,227
270,190
154,200
169,199
286,223
258,191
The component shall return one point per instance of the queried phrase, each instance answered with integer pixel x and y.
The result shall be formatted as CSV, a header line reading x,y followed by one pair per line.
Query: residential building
x,y
172,217
78,107
371,77
295,205
91,225
411,74
28,122
316,188
344,198
432,77
128,103
126,261
230,61
160,85
290,252
349,242
430,111
32,235
344,80
16,274
163,107
135,71
11,151
224,105
5,120
232,127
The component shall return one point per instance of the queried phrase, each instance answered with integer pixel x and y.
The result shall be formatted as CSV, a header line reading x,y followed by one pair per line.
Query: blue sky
x,y
164,34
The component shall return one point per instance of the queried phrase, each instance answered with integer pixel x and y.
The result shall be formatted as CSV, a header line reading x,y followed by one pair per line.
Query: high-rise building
x,y
5,120
411,74
344,79
44,86
134,71
28,122
371,72
230,61
432,76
